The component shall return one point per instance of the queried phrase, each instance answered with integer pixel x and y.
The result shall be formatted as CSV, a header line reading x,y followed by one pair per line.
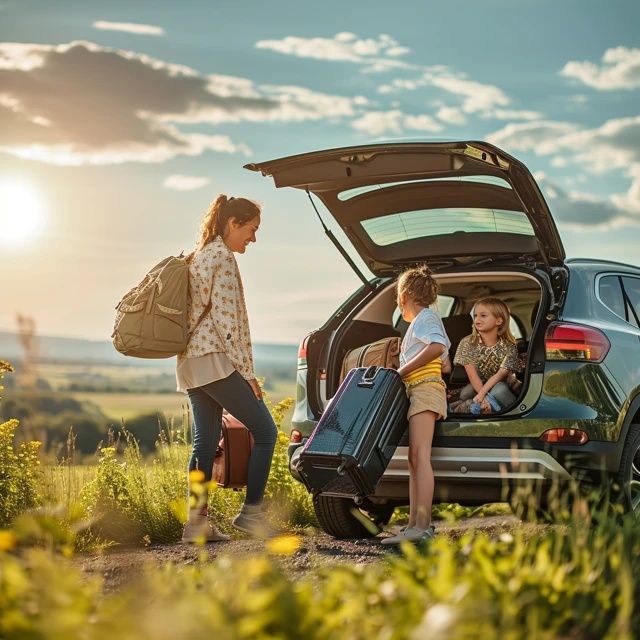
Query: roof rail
x,y
601,261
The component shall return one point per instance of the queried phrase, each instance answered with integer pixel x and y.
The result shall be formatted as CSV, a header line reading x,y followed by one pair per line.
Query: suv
x,y
478,218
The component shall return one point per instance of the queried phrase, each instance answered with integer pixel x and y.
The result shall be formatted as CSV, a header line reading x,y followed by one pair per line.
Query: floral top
x,y
487,360
214,275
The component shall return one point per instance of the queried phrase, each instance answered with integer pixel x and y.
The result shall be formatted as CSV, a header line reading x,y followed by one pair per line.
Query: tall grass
x,y
132,501
579,580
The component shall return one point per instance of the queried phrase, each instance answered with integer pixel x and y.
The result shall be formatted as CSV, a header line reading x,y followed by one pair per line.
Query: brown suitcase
x,y
231,462
383,353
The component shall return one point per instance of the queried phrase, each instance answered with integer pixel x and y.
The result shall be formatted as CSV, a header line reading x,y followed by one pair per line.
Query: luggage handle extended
x,y
369,375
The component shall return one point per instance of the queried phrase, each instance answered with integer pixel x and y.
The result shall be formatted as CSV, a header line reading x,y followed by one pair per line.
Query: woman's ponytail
x,y
220,211
211,227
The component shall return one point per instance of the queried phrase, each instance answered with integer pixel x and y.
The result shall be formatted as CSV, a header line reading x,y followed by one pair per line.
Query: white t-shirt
x,y
424,329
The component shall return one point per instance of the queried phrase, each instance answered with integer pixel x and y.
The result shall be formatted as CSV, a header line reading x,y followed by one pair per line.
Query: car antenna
x,y
339,247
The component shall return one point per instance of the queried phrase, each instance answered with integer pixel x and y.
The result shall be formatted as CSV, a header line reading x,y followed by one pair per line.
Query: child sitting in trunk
x,y
489,355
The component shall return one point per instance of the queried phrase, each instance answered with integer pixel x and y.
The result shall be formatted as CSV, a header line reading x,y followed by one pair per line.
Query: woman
x,y
216,369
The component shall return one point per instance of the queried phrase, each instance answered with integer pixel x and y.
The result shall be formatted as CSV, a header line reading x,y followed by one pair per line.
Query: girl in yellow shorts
x,y
424,348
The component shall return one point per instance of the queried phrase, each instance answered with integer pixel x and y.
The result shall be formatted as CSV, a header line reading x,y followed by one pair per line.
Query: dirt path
x,y
117,566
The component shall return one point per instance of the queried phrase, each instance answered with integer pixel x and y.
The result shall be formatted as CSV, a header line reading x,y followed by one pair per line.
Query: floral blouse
x,y
214,275
487,360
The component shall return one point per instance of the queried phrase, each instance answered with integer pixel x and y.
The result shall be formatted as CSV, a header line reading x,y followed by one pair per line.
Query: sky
x,y
121,121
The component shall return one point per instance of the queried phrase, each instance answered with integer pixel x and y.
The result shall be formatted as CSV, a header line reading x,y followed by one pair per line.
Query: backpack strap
x,y
200,319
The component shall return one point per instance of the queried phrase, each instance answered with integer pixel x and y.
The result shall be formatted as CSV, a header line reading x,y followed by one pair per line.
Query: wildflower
x,y
285,545
196,476
8,540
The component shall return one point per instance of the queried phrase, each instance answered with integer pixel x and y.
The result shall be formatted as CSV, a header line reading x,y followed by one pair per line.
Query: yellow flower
x,y
196,476
285,545
282,438
7,540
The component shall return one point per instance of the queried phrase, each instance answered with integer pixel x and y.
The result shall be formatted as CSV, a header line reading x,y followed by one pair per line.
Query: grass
x,y
577,580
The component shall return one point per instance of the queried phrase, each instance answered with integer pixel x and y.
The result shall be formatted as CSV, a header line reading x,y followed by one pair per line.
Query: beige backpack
x,y
151,319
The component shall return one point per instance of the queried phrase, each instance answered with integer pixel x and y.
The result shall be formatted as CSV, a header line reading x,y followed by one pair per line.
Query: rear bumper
x,y
473,475
470,475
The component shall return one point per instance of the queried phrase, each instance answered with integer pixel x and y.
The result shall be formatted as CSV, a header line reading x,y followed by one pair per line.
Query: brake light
x,y
295,436
576,342
565,436
302,349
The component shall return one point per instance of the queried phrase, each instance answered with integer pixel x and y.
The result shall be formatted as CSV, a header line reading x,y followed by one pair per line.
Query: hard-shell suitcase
x,y
350,448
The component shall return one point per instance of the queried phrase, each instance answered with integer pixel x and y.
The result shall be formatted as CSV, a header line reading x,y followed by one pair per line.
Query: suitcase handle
x,y
369,375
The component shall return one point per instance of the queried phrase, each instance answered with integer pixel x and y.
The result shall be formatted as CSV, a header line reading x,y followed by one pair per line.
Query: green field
x,y
123,406
118,406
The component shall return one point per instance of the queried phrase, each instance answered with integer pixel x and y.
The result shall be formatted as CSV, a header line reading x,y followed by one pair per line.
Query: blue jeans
x,y
500,391
234,394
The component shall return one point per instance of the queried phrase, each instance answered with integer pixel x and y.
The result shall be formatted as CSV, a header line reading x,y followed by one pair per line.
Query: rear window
x,y
407,225
359,191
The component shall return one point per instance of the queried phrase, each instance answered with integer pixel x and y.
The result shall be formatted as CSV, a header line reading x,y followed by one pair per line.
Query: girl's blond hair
x,y
220,211
418,284
498,309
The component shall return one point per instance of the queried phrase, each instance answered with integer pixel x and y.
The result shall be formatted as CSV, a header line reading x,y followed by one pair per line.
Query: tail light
x,y
302,350
565,436
295,436
576,342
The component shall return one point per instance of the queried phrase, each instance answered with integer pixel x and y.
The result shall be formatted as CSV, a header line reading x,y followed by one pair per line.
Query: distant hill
x,y
76,350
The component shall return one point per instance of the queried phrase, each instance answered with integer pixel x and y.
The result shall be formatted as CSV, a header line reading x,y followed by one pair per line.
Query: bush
x,y
19,474
130,502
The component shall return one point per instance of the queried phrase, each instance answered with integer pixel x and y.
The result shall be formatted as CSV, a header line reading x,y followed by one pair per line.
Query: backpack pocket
x,y
168,324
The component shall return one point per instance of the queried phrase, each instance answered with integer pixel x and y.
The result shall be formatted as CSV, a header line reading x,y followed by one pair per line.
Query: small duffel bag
x,y
231,461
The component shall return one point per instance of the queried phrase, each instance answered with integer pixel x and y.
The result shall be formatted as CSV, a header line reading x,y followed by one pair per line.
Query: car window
x,y
443,306
407,225
359,191
632,289
516,332
611,295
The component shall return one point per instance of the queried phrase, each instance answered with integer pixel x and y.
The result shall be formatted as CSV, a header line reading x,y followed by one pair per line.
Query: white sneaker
x,y
201,529
254,523
410,534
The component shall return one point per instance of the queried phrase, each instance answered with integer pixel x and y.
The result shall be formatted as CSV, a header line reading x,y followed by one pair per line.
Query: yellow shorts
x,y
427,397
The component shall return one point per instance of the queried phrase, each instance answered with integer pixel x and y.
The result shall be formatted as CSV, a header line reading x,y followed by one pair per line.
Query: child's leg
x,y
467,392
421,426
503,394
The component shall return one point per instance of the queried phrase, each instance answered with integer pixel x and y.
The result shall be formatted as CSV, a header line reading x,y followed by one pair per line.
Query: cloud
x,y
620,69
375,54
630,201
530,136
511,114
395,121
185,183
451,115
129,27
614,146
584,211
379,54
83,103
476,96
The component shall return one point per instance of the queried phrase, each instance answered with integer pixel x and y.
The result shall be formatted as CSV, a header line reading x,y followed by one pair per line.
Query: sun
x,y
21,213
